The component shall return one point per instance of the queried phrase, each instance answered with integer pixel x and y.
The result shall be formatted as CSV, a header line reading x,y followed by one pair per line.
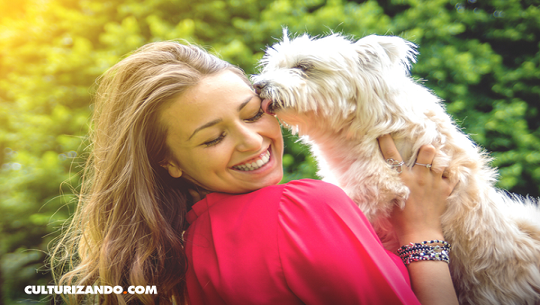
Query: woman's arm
x,y
420,221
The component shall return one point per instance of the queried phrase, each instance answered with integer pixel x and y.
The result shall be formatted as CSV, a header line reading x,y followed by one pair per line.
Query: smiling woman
x,y
131,214
180,192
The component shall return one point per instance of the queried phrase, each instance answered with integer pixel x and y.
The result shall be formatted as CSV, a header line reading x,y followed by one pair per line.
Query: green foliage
x,y
481,57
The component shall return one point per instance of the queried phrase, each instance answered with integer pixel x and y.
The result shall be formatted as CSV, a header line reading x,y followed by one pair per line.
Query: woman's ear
x,y
172,168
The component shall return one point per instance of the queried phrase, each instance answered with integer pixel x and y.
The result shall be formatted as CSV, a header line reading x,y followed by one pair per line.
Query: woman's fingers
x,y
388,148
423,165
390,153
424,160
426,154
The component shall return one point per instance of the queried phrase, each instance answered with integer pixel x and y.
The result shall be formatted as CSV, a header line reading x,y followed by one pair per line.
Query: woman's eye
x,y
257,116
215,141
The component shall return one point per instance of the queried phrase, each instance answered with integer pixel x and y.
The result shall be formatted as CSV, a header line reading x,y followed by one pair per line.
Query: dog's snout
x,y
259,86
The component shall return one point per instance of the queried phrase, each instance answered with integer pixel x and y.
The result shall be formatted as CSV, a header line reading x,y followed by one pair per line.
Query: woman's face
x,y
220,138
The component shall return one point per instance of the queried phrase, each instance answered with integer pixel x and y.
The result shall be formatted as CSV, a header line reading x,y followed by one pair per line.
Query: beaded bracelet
x,y
423,251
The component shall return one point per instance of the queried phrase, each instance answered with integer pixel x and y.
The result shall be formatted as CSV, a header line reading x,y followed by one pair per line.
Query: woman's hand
x,y
420,219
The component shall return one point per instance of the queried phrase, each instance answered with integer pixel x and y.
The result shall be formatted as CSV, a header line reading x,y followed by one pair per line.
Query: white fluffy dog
x,y
341,95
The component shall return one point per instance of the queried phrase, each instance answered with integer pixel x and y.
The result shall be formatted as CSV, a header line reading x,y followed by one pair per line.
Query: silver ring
x,y
426,165
395,164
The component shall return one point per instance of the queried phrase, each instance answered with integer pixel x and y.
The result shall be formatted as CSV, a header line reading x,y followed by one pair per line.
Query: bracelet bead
x,y
434,250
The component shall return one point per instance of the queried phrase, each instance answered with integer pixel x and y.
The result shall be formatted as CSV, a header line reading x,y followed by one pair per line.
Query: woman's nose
x,y
249,139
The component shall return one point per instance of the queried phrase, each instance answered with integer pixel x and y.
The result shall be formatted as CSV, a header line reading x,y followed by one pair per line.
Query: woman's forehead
x,y
212,98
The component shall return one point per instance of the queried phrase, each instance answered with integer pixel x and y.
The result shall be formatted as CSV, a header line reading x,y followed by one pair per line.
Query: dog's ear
x,y
390,50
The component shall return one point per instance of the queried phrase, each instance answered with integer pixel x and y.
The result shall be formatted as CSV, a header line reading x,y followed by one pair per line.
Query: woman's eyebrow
x,y
209,124
216,121
245,103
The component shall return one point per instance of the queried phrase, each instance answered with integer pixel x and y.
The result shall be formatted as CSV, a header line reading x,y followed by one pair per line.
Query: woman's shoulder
x,y
313,190
303,192
307,196
306,182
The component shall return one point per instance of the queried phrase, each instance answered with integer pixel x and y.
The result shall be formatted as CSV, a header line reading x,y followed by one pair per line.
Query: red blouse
x,y
304,242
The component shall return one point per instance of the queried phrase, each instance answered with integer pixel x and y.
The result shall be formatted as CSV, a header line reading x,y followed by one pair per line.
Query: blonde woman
x,y
181,144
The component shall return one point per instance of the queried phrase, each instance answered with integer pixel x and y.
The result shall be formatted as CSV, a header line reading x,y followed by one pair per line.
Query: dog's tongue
x,y
266,106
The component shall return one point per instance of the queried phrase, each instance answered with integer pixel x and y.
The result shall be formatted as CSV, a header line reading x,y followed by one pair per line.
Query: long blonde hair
x,y
127,229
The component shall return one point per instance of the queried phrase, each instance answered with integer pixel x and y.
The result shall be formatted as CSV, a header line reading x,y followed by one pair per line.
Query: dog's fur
x,y
341,95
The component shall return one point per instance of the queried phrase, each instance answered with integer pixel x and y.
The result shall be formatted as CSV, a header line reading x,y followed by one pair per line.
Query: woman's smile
x,y
254,163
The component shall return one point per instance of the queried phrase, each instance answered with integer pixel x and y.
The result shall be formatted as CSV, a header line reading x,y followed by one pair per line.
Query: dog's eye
x,y
303,66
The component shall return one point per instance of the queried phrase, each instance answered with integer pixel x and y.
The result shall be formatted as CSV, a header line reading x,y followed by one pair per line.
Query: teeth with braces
x,y
256,164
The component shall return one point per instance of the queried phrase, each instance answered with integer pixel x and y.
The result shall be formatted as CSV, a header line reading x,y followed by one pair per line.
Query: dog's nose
x,y
259,86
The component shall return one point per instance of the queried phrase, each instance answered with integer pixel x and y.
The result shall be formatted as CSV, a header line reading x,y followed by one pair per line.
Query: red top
x,y
304,242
